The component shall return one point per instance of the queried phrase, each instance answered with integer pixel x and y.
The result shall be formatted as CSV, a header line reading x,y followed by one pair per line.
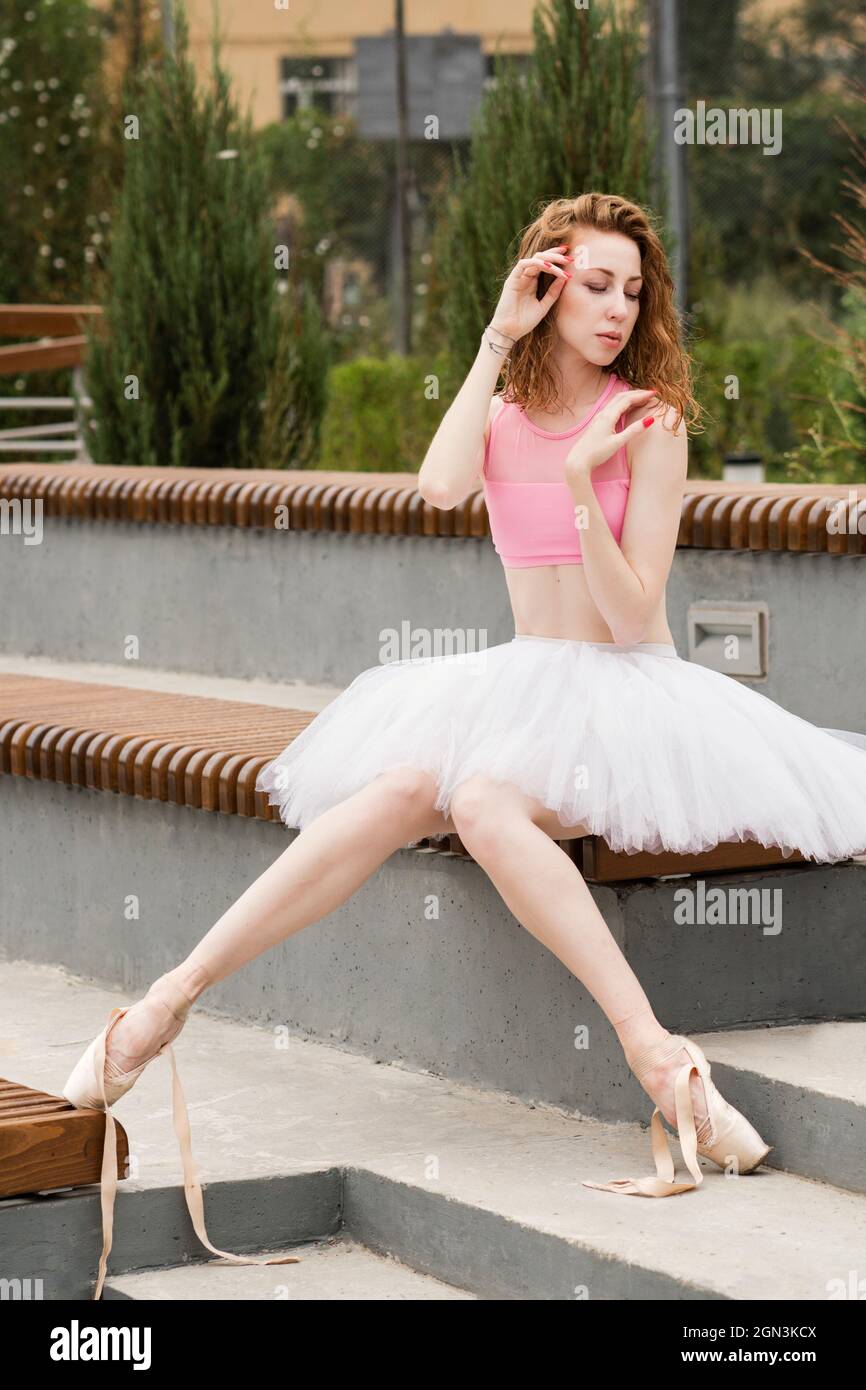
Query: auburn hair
x,y
653,358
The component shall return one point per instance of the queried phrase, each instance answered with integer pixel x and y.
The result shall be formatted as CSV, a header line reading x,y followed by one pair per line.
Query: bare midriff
x,y
554,601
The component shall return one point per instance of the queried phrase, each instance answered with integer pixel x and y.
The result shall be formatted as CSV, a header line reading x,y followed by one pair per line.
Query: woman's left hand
x,y
600,439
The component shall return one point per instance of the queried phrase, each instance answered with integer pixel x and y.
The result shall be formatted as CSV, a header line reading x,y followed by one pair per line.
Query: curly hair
x,y
653,357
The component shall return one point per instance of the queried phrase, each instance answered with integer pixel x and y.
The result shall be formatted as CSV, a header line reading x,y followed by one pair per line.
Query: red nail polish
x,y
648,419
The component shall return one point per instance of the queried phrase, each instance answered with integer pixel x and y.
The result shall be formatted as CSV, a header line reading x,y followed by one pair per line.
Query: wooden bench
x,y
204,753
600,864
45,1143
186,749
715,516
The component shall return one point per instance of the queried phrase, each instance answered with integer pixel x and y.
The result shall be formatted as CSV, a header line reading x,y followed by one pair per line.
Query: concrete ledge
x,y
121,889
319,606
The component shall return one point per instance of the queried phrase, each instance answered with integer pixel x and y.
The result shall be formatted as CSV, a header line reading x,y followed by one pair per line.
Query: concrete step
x,y
808,1083
237,596
297,1141
335,1269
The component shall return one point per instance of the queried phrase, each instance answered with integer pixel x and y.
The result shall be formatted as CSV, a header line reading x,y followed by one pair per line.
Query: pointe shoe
x,y
723,1136
97,1083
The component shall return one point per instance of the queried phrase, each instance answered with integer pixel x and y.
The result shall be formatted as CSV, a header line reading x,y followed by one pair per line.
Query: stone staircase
x,y
383,1178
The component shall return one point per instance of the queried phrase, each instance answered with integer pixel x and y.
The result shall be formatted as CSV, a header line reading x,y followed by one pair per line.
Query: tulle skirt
x,y
648,750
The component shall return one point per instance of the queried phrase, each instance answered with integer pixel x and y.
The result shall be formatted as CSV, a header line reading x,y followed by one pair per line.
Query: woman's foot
x,y
658,1083
155,1020
111,1065
665,1068
106,1071
652,1054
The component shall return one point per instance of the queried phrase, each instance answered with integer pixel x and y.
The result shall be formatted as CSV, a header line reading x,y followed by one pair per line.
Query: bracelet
x,y
500,351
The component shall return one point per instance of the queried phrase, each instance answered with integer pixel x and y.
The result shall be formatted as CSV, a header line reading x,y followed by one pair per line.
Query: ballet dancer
x,y
586,722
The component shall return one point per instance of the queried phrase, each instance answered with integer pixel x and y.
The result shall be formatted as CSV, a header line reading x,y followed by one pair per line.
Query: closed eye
x,y
600,289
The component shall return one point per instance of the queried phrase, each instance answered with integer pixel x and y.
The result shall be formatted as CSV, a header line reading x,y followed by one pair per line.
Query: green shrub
x,y
297,387
769,342
379,418
776,392
54,216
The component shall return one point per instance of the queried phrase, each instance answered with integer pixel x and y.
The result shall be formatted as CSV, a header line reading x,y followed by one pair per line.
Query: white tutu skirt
x,y
649,751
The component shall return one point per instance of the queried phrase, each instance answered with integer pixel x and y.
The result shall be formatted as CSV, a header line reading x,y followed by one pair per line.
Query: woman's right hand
x,y
601,438
519,309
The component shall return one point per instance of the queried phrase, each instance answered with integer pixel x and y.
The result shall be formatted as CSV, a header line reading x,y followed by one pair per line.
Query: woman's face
x,y
602,297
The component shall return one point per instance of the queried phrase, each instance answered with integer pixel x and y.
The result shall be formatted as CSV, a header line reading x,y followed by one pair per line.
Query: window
x,y
520,62
325,84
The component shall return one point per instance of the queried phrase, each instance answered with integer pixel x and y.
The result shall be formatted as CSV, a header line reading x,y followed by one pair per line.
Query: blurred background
x,y
279,228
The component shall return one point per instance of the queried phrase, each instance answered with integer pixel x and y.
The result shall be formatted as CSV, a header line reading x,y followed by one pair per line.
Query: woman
x,y
586,722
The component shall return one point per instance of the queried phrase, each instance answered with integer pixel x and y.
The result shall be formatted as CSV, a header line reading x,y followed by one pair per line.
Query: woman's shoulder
x,y
498,404
653,406
498,407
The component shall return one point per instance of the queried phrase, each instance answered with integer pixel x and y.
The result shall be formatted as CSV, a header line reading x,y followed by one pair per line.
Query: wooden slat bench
x,y
45,1143
715,516
600,864
204,753
187,749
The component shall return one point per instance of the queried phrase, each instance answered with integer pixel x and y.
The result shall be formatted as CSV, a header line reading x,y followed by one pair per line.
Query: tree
x,y
573,123
297,382
836,448
178,370
752,210
53,214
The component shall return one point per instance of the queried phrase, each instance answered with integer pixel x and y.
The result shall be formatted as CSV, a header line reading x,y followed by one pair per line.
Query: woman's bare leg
x,y
319,870
501,827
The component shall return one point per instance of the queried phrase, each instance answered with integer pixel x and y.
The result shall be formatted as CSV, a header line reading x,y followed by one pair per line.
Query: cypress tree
x,y
177,371
297,382
573,123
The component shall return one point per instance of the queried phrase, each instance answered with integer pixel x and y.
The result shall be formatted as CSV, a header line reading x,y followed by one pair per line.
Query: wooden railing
x,y
56,326
60,343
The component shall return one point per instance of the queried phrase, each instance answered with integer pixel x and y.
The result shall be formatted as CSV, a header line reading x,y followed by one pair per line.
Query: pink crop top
x,y
529,505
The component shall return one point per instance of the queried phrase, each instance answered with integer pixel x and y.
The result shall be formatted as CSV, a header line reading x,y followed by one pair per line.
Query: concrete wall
x,y
315,606
425,964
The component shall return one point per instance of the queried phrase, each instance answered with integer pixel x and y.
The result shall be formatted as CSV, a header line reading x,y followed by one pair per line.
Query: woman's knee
x,y
477,810
409,790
